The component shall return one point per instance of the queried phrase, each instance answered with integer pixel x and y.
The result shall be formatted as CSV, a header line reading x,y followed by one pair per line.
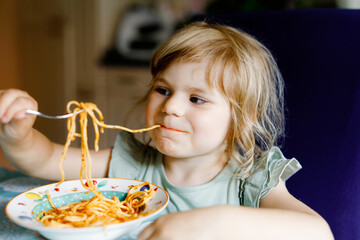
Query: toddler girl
x,y
217,94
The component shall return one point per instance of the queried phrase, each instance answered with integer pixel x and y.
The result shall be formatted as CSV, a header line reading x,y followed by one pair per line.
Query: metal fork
x,y
28,111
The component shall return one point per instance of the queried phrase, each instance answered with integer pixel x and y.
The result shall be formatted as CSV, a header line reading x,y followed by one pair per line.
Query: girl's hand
x,y
194,224
14,123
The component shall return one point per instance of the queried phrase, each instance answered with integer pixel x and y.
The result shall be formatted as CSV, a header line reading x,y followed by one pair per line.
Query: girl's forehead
x,y
192,69
185,72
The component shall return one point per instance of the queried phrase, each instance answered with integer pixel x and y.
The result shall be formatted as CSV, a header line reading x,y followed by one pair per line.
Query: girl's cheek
x,y
152,100
149,110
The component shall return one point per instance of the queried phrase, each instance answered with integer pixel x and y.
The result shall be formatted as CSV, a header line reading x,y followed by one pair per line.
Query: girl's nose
x,y
174,105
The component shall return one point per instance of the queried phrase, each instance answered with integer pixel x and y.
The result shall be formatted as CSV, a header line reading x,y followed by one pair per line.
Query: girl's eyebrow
x,y
194,89
199,90
160,79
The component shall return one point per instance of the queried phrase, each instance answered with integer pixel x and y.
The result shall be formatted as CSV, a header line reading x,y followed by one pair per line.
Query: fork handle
x,y
29,111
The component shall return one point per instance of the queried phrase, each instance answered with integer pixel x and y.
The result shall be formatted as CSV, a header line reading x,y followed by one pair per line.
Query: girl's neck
x,y
195,171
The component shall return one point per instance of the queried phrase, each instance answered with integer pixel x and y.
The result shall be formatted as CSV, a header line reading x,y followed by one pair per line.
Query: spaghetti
x,y
99,210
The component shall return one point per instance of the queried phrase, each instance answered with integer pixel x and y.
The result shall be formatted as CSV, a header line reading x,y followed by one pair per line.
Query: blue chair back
x,y
318,52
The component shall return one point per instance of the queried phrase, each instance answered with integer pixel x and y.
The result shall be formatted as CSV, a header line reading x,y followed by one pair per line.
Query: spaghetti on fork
x,y
99,210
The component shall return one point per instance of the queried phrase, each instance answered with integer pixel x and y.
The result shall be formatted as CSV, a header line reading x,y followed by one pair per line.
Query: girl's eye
x,y
162,91
197,100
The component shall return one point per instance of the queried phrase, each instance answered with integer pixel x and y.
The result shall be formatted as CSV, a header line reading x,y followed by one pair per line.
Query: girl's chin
x,y
166,146
171,149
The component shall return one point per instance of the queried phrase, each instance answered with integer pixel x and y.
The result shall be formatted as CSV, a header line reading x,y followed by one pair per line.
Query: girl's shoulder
x,y
274,159
266,174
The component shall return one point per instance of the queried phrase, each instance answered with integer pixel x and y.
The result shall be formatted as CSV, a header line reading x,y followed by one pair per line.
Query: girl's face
x,y
194,119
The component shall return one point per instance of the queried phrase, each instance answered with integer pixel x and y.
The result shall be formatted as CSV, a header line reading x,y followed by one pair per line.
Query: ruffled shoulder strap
x,y
266,174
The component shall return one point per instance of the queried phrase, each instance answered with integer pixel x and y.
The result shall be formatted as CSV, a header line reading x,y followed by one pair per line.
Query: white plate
x,y
24,208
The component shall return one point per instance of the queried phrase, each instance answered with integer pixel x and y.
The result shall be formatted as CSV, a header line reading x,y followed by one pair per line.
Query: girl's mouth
x,y
173,129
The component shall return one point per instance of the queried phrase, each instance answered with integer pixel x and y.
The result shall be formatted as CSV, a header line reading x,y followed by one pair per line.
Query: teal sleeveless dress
x,y
131,159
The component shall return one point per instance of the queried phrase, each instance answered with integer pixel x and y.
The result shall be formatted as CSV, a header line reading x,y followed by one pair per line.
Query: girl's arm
x,y
37,156
280,216
30,151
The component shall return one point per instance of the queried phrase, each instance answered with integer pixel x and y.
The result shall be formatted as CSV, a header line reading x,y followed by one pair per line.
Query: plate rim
x,y
81,229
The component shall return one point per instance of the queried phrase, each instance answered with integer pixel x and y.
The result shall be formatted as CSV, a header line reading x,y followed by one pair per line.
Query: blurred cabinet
x,y
121,94
60,44
46,58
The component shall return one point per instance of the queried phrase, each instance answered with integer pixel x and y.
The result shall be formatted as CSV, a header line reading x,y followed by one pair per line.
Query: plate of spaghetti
x,y
100,208
69,211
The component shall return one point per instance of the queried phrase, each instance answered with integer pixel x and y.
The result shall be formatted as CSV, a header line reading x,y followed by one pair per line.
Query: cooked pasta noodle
x,y
99,210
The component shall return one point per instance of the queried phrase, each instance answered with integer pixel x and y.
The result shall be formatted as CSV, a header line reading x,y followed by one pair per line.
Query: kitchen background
x,y
98,50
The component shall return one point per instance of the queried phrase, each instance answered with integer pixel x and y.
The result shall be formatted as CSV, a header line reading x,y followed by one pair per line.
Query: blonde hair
x,y
246,73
